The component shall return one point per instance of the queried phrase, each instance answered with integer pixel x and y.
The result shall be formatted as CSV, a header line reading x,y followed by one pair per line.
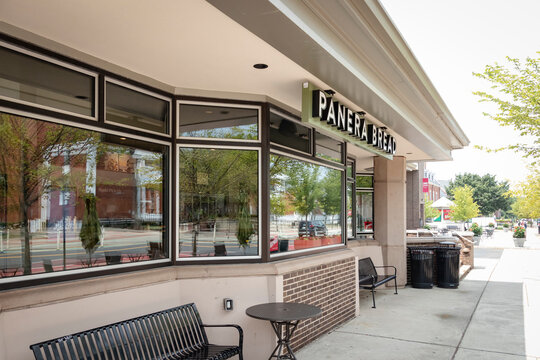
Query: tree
x,y
90,233
489,194
32,157
331,187
430,212
527,195
465,208
518,87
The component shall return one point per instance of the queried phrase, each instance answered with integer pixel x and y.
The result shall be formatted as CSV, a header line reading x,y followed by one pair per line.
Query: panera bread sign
x,y
321,110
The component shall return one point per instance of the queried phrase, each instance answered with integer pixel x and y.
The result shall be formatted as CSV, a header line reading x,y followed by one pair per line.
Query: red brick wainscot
x,y
329,286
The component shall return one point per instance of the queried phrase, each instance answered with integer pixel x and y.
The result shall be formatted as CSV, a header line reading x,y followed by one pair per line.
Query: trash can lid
x,y
447,243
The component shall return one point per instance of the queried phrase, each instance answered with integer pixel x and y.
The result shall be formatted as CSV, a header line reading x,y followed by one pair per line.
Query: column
x,y
390,212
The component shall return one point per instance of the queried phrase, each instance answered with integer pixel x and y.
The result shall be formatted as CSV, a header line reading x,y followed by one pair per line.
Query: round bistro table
x,y
284,318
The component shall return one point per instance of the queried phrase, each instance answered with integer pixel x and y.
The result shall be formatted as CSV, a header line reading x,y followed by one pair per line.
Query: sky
x,y
453,39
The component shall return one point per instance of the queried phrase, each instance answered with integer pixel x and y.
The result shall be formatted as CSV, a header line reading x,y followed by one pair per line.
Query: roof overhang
x,y
353,46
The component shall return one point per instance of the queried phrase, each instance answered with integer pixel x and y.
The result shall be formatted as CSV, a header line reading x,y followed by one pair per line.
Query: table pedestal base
x,y
284,331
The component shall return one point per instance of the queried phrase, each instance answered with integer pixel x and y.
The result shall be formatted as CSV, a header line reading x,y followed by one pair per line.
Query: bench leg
x,y
395,285
373,296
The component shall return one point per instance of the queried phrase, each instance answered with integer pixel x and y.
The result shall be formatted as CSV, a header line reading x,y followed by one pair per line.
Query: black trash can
x,y
448,265
421,267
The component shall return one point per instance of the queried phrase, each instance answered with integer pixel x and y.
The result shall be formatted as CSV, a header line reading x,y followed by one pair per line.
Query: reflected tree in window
x,y
35,155
218,202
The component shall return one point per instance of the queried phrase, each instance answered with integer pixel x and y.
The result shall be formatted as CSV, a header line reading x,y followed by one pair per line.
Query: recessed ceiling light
x,y
409,153
209,112
260,66
82,97
122,138
224,112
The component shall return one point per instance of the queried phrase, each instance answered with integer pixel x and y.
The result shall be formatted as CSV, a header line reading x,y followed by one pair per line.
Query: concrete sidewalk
x,y
494,314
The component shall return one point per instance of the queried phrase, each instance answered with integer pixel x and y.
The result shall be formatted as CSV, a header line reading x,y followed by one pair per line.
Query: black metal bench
x,y
369,279
176,333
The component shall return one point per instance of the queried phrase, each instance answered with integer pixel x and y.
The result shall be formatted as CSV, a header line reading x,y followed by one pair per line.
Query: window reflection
x,y
218,202
364,212
327,148
28,79
73,198
206,121
289,133
305,205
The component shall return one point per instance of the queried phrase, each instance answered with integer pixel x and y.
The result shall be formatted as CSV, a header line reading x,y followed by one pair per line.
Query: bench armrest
x,y
388,266
364,276
237,327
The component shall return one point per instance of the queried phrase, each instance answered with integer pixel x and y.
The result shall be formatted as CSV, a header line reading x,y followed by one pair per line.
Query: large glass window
x,y
220,122
27,79
364,212
305,205
74,198
218,202
136,109
328,148
289,133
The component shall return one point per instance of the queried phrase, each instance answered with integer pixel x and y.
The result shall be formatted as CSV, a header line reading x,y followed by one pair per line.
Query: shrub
x,y
505,225
519,232
427,227
499,228
477,230
491,225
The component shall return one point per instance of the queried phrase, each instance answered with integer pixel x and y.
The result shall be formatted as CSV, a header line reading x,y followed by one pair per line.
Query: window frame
x,y
216,103
260,252
311,140
62,64
366,190
126,85
40,278
296,253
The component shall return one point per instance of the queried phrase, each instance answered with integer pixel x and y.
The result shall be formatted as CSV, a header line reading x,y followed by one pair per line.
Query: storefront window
x,y
137,109
364,181
364,212
328,148
74,198
218,202
289,133
220,122
305,205
27,79
350,201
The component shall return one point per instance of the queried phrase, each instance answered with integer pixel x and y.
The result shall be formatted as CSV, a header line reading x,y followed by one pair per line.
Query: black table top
x,y
283,312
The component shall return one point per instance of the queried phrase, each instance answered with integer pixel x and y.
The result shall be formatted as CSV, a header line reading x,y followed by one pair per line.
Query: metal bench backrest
x,y
155,336
366,268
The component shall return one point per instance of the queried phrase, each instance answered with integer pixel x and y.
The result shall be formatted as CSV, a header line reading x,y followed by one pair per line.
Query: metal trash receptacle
x,y
421,267
448,265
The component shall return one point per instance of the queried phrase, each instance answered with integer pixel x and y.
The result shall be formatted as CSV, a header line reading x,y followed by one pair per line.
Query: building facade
x,y
190,151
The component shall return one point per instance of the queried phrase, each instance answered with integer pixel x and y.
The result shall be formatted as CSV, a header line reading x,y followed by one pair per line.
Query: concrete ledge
x,y
71,290
464,270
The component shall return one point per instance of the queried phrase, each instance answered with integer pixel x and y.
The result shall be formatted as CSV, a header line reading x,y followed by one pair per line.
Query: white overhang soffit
x,y
353,46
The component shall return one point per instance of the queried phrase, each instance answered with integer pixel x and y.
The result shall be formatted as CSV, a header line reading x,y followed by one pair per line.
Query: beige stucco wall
x,y
39,313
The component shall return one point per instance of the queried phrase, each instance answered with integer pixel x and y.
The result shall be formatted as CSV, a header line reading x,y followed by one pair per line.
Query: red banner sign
x,y
425,183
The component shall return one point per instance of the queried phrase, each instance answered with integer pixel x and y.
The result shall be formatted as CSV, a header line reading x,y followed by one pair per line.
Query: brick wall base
x,y
331,287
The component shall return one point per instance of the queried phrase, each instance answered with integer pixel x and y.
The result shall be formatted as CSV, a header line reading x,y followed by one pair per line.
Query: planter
x,y
332,240
476,240
307,242
518,242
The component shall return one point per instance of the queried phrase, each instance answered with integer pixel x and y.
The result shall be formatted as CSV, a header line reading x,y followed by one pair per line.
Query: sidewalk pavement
x,y
494,314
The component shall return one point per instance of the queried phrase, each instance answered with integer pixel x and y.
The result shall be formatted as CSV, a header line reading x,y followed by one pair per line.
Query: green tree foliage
x,y
331,199
430,212
32,156
245,226
489,194
527,195
465,208
517,87
90,233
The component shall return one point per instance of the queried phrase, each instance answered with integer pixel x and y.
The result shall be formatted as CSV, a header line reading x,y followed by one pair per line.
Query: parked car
x,y
312,228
